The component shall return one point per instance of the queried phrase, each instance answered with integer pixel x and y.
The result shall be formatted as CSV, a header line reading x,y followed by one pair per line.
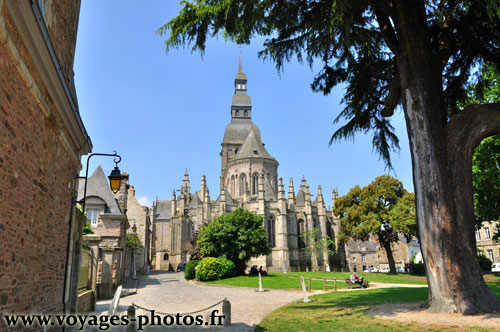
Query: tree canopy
x,y
237,236
382,209
357,44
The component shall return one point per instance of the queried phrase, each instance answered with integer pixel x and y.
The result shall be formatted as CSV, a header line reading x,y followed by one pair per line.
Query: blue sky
x,y
167,112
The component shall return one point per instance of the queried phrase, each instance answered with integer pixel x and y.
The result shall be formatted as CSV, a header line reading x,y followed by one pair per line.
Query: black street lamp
x,y
114,178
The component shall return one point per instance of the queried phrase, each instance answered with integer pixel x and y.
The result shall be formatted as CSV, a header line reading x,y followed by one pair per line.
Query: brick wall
x,y
38,165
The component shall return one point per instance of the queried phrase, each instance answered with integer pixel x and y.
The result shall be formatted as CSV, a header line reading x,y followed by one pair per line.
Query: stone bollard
x,y
304,292
131,319
226,311
260,284
207,319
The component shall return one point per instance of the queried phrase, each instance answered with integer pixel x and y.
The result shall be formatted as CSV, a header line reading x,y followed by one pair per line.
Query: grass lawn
x,y
291,280
345,311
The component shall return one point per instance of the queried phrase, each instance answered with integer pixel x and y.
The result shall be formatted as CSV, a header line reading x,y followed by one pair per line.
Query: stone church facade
x,y
249,179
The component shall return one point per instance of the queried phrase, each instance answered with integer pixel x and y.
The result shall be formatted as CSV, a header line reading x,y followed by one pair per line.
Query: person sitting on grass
x,y
355,279
261,271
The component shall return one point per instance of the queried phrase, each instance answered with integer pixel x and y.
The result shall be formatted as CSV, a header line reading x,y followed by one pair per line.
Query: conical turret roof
x,y
253,147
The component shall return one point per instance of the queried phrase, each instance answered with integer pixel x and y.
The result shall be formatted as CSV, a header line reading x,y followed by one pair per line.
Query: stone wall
x,y
39,163
86,301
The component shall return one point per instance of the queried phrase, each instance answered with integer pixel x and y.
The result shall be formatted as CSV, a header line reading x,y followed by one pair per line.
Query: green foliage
x,y
486,158
484,263
486,180
417,269
190,271
317,245
132,240
383,209
211,268
237,236
87,229
345,36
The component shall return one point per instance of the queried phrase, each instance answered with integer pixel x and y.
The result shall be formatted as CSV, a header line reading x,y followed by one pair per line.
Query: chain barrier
x,y
183,314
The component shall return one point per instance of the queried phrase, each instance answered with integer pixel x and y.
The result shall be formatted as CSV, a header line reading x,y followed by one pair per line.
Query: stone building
x,y
249,179
109,222
42,139
485,243
138,216
361,255
402,252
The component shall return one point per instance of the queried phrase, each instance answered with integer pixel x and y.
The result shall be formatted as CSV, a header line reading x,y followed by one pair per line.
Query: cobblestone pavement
x,y
168,292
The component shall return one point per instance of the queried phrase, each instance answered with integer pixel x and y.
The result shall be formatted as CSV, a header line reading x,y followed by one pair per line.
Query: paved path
x,y
169,292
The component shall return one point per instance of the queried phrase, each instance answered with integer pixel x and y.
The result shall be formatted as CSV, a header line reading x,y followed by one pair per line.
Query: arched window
x,y
331,234
255,183
246,113
237,113
301,226
243,182
165,257
271,231
232,185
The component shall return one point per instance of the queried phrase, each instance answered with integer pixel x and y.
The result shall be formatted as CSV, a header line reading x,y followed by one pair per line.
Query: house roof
x,y
97,185
357,246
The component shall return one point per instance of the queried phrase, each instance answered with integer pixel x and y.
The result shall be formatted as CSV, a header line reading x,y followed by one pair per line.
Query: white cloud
x,y
145,201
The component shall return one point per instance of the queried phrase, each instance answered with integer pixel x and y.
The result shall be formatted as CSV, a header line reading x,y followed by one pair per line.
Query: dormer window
x,y
92,216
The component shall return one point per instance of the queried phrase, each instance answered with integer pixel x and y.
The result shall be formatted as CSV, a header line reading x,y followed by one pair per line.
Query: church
x,y
249,179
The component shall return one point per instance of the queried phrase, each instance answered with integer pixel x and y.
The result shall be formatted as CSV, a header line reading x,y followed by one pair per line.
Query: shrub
x,y
211,268
237,236
190,272
484,263
418,269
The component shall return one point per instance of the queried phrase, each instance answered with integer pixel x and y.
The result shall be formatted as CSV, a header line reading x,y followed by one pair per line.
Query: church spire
x,y
241,106
186,189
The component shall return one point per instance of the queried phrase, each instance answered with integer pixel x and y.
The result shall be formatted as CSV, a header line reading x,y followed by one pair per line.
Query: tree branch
x,y
392,99
470,126
387,29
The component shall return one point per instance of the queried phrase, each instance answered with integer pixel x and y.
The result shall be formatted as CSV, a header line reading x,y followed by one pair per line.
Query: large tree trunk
x,y
390,257
441,157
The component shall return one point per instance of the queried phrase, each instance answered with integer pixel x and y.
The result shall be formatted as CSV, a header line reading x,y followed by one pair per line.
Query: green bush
x,y
418,269
190,272
484,263
211,268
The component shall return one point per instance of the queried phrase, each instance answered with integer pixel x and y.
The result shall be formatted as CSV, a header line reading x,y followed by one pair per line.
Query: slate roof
x,y
97,185
238,129
356,246
164,209
195,202
229,200
269,193
300,200
252,147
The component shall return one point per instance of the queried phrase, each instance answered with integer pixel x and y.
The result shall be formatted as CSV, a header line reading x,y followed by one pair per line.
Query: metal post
x,y
87,172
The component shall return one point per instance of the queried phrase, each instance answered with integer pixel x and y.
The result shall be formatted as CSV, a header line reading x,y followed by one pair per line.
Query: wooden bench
x,y
350,284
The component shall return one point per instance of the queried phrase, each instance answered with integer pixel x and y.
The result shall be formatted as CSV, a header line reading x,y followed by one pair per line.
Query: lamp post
x,y
114,178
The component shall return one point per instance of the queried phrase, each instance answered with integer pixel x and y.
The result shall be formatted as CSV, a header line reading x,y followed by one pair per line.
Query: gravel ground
x,y
413,312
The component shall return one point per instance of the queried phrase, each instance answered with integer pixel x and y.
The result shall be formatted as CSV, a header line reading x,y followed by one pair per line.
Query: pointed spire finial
x,y
240,69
